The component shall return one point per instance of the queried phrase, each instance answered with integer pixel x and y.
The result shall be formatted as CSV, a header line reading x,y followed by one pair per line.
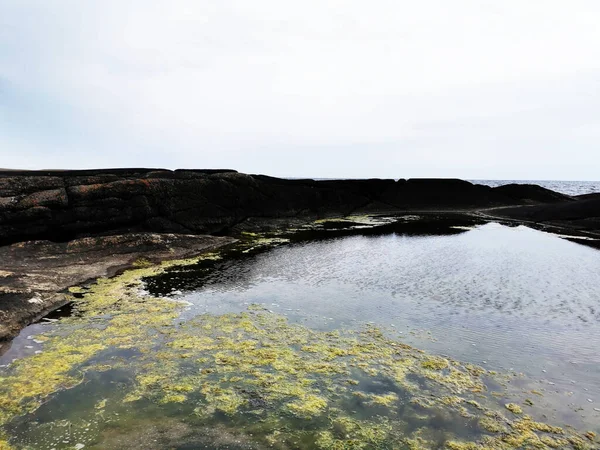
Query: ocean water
x,y
564,187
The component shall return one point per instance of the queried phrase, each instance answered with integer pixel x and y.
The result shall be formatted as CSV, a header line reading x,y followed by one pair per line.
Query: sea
x,y
572,188
564,187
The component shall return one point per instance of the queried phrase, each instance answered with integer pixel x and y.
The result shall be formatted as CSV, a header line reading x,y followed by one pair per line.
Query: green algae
x,y
111,314
354,221
347,433
173,398
590,435
455,445
256,359
356,389
258,242
385,399
222,399
417,443
492,424
307,405
434,364
514,408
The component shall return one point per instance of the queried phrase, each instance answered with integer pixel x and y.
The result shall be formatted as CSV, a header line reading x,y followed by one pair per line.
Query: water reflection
x,y
503,298
507,298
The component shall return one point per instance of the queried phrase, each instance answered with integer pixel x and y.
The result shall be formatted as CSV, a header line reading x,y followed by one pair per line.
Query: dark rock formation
x,y
581,214
530,193
62,205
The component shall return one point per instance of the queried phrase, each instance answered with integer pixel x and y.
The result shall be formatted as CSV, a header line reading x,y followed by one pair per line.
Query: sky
x,y
475,89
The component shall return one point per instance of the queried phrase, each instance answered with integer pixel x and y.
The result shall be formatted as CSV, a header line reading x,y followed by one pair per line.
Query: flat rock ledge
x,y
35,275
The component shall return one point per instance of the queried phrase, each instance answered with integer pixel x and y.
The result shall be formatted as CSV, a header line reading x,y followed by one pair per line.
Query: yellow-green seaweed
x,y
514,408
434,363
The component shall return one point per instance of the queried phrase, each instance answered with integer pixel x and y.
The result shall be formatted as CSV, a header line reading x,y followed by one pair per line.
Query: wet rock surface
x,y
582,214
34,275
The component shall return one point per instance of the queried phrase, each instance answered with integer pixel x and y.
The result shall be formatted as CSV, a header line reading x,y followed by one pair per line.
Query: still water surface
x,y
508,298
512,300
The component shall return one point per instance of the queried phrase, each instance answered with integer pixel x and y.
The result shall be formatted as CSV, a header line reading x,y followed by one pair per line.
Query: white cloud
x,y
319,87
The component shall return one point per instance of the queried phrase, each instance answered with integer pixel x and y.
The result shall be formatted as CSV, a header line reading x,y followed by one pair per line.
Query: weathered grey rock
x,y
34,274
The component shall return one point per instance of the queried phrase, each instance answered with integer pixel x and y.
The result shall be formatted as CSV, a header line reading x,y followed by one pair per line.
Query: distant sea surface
x,y
564,187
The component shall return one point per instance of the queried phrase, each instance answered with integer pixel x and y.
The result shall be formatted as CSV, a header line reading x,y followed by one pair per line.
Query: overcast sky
x,y
504,89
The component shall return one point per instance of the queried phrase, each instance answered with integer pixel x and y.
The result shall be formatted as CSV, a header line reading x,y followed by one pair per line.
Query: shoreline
x,y
62,228
36,275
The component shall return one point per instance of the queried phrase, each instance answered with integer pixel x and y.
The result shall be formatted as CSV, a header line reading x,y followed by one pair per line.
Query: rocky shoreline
x,y
64,205
35,275
63,228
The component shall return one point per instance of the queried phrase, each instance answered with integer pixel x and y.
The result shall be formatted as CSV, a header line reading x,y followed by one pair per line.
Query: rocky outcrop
x,y
582,214
530,193
34,275
63,205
